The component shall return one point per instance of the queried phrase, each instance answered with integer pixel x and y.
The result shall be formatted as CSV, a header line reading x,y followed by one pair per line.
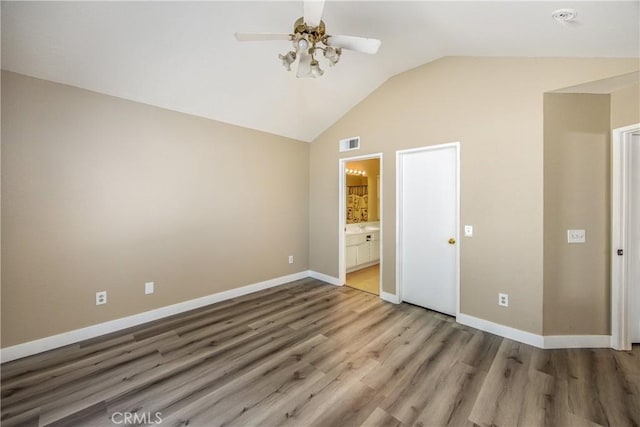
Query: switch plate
x,y
468,231
290,259
148,288
576,236
101,297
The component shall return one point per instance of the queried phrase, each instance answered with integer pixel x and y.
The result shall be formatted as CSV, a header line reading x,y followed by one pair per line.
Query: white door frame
x,y
342,214
399,203
620,330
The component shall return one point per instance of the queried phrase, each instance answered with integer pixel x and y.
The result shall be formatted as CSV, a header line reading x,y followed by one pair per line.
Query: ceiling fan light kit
x,y
307,41
288,59
309,37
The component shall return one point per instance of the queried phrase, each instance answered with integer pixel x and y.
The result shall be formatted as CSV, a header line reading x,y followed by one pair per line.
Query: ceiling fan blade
x,y
359,44
257,37
304,64
313,12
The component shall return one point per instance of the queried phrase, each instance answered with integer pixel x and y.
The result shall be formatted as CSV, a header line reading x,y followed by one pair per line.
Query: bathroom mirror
x,y
363,202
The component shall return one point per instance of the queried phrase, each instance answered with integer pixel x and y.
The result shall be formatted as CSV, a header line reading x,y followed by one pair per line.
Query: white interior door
x,y
634,238
428,225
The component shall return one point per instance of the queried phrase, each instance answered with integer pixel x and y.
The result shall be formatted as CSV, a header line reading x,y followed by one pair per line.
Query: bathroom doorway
x,y
361,222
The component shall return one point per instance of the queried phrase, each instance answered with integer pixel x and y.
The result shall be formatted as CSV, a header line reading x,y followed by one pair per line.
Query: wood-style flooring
x,y
366,279
311,354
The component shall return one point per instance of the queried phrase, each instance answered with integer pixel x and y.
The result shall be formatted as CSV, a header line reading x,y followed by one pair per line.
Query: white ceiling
x,y
183,55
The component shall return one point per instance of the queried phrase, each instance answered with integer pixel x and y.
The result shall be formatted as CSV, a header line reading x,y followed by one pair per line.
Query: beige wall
x,y
625,107
577,153
99,193
577,184
494,107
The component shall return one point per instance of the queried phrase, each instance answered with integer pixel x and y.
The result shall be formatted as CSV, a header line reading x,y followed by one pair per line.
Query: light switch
x,y
468,231
576,236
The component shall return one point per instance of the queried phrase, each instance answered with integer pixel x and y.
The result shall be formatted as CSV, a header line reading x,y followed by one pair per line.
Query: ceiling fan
x,y
309,37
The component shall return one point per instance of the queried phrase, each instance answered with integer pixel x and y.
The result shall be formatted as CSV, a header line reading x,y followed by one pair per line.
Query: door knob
x,y
452,241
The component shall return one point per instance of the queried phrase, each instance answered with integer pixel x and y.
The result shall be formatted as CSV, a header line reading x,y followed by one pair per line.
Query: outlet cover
x,y
101,297
148,288
503,300
290,259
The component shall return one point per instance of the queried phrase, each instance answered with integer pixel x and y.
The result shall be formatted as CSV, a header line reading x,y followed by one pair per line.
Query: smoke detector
x,y
564,15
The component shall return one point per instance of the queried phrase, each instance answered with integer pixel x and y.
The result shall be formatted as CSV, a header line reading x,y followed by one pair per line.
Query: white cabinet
x,y
375,250
352,256
362,249
364,253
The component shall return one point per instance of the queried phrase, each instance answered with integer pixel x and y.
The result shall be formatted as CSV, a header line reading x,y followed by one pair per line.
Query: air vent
x,y
349,144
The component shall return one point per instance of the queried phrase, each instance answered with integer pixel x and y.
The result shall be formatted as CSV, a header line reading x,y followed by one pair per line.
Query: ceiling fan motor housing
x,y
312,34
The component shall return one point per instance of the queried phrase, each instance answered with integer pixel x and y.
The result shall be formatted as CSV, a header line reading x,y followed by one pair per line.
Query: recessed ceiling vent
x,y
564,15
349,144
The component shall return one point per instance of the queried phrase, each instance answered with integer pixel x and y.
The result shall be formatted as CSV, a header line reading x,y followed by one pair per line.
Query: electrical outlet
x,y
148,288
101,297
503,300
290,259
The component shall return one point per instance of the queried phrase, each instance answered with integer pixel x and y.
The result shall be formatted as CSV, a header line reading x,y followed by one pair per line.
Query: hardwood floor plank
x,y
86,385
299,311
226,393
322,400
350,303
584,397
501,399
272,402
450,390
369,325
39,382
381,418
242,400
407,356
311,354
27,418
617,392
209,375
417,388
63,355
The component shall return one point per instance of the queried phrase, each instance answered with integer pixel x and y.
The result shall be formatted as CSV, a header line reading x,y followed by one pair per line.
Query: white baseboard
x,y
540,341
325,278
72,337
49,343
503,331
577,341
386,296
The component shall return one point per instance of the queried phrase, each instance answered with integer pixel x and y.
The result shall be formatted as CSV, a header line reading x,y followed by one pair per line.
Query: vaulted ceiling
x,y
183,55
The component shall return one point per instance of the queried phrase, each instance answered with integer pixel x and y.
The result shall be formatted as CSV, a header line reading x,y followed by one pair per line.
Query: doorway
x,y
428,205
625,265
360,242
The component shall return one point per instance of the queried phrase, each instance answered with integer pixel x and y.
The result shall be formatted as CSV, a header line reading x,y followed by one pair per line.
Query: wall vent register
x,y
349,144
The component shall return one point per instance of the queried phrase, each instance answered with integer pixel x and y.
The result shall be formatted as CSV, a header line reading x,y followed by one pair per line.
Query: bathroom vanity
x,y
362,241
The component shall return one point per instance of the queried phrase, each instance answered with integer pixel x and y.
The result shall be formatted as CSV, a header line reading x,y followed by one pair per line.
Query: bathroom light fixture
x,y
356,172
